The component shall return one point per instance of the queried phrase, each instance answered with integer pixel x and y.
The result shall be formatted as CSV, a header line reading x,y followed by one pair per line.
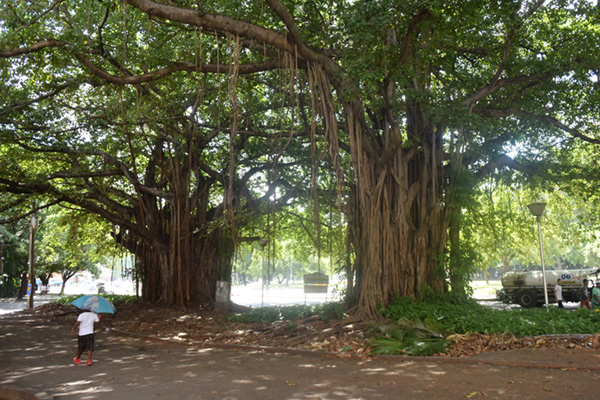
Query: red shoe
x,y
89,362
77,361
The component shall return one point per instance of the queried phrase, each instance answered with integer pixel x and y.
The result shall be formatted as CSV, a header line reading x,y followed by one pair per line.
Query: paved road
x,y
11,305
36,355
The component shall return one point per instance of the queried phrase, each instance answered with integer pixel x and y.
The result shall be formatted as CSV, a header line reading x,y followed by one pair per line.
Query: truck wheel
x,y
527,298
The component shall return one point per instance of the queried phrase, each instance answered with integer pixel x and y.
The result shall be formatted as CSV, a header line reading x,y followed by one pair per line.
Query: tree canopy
x,y
187,124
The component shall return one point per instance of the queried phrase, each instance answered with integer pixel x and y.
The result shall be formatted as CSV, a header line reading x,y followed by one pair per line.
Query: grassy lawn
x,y
482,290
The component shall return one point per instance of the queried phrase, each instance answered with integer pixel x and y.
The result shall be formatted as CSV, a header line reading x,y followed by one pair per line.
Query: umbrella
x,y
95,303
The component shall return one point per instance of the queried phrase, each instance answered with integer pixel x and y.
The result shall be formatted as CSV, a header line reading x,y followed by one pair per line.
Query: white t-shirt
x,y
86,322
558,289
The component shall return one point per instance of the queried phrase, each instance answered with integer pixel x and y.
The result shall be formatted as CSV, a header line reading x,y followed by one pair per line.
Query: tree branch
x,y
496,83
500,83
506,161
212,22
37,99
42,44
177,67
505,112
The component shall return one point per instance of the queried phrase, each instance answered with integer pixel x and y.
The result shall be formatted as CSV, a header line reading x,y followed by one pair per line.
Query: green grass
x,y
448,314
444,315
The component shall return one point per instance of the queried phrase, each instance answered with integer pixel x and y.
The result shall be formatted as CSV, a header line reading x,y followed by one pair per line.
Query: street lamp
x,y
263,242
34,224
537,209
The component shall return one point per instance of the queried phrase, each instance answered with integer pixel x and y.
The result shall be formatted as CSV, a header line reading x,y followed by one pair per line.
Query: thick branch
x,y
506,161
410,34
177,67
216,23
498,84
42,44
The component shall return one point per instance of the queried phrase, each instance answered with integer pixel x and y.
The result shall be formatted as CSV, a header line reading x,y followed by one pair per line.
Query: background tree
x,y
14,257
505,233
149,157
70,242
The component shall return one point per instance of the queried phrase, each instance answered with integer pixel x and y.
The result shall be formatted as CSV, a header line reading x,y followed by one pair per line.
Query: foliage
x,y
191,125
407,337
14,254
505,234
286,313
449,315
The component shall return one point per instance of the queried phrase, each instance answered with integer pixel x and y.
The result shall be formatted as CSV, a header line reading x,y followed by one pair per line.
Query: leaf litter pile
x,y
343,337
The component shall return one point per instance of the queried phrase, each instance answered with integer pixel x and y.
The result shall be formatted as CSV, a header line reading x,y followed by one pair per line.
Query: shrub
x,y
287,313
452,315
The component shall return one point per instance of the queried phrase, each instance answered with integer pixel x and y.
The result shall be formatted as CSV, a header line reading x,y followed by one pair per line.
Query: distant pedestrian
x,y
85,339
558,293
584,297
596,295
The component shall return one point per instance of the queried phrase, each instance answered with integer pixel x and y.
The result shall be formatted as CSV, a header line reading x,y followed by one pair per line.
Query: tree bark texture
x,y
400,227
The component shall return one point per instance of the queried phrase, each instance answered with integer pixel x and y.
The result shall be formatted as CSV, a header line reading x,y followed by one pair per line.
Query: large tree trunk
x,y
194,280
183,263
184,258
400,226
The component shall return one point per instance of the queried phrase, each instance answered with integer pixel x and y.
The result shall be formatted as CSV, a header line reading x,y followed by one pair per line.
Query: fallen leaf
x,y
469,395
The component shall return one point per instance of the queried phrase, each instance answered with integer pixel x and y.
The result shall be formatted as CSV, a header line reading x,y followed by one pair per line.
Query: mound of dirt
x,y
345,336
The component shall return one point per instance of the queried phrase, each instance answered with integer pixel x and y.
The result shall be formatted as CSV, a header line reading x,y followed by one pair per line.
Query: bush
x,y
450,314
287,313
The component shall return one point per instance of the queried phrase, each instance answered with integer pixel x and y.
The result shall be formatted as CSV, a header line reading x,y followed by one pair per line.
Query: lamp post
x,y
263,242
1,253
537,209
2,280
34,224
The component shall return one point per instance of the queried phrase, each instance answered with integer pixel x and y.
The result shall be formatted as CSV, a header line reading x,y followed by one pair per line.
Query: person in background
x,y
596,295
584,298
558,293
85,340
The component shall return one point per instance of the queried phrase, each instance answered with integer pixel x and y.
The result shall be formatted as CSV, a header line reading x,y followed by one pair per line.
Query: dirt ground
x,y
164,353
346,336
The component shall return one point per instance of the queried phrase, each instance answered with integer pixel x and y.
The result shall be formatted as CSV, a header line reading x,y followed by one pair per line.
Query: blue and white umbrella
x,y
95,303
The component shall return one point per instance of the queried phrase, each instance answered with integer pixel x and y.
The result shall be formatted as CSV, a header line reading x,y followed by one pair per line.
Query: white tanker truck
x,y
527,287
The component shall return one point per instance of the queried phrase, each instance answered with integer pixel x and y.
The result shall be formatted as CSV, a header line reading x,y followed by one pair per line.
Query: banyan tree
x,y
176,120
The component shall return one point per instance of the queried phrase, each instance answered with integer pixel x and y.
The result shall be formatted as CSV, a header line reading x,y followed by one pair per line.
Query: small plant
x,y
292,328
407,337
330,311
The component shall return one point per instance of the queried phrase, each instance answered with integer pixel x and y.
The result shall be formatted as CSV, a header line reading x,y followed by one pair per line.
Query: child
x,y
85,341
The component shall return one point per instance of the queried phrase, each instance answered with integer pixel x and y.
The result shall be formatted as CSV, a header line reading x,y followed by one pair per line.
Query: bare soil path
x,y
36,355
